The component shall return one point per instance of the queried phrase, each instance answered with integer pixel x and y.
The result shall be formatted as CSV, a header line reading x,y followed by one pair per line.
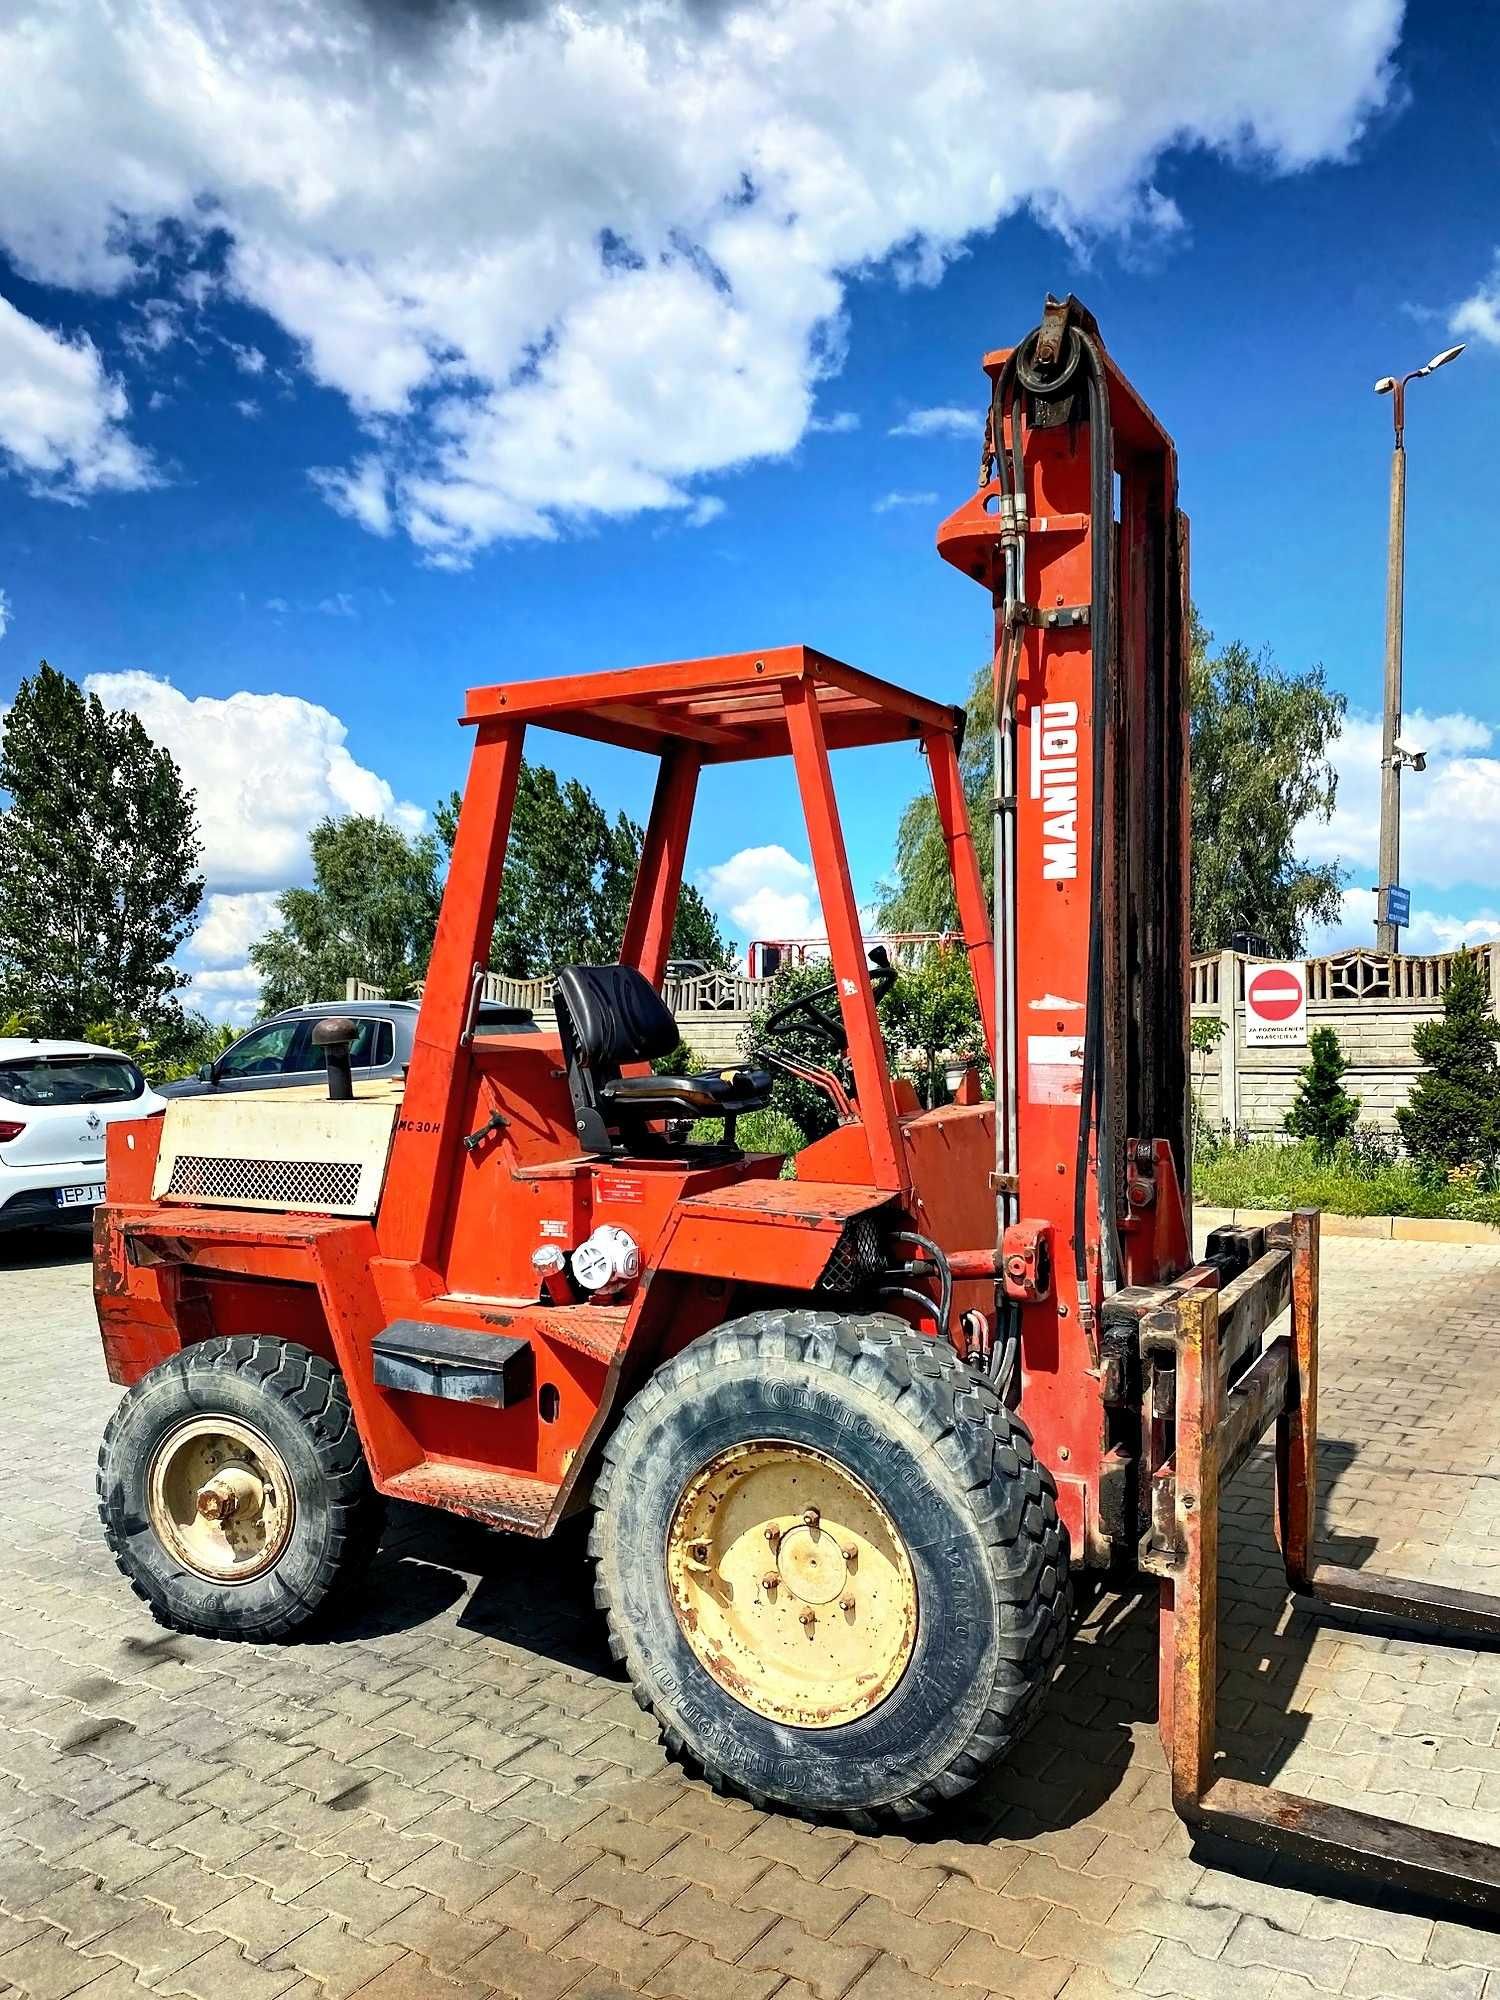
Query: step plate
x,y
452,1363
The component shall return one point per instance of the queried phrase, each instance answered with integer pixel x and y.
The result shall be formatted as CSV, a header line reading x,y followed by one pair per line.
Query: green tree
x,y
1453,1118
803,1103
1322,1110
177,1047
1260,770
99,853
370,914
919,897
568,874
931,1012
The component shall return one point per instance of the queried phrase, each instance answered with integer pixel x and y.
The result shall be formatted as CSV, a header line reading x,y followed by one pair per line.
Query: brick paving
x,y
452,1795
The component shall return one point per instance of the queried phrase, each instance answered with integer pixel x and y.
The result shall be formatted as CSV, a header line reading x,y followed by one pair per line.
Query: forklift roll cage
x,y
1146,1378
787,700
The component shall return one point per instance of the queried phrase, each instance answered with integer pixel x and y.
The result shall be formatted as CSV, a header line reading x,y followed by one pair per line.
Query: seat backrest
x,y
616,1015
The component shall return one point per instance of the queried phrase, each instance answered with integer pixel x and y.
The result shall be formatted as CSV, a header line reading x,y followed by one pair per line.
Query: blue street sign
x,y
1398,906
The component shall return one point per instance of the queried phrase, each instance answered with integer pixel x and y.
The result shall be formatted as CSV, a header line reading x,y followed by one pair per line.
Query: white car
x,y
56,1101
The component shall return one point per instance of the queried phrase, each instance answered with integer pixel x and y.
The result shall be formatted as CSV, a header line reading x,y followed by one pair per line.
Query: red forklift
x,y
846,1425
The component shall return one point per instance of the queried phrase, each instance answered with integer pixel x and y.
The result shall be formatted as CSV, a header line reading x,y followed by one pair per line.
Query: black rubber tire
x,y
301,1405
954,1469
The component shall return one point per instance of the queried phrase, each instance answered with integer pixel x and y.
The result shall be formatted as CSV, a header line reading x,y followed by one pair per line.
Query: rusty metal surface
x,y
498,1499
1431,1606
1193,1591
816,1204
1213,1434
1254,1404
1445,1866
1251,1303
1296,1507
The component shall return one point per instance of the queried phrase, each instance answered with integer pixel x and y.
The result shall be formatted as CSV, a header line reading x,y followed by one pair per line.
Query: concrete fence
x,y
1372,1002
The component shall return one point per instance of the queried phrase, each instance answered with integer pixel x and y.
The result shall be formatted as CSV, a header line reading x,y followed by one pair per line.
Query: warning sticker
x,y
619,1187
1054,1069
550,1228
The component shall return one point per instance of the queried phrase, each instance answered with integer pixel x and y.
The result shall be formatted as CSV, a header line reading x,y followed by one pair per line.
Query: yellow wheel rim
x,y
792,1585
220,1499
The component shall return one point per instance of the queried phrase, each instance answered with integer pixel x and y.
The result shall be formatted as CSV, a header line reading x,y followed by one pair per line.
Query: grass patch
x,y
767,1131
1274,1175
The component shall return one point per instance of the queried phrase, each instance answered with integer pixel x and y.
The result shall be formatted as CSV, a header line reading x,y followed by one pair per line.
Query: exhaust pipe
x,y
336,1033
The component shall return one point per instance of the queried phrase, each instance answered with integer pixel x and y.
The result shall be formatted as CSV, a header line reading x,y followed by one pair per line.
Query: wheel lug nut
x,y
770,1580
809,1619
846,1604
700,1552
773,1536
811,1517
849,1552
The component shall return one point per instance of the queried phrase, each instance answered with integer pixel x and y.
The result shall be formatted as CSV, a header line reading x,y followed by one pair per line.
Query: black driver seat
x,y
610,1015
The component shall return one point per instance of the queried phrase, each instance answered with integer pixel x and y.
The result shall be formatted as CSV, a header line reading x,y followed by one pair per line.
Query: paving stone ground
x,y
452,1795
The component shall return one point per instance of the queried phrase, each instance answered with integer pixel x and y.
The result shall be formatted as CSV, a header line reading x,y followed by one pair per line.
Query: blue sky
x,y
309,411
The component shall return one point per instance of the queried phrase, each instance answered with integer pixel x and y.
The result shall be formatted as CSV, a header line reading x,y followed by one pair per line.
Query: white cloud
x,y
766,892
838,424
559,303
249,360
1430,929
159,324
248,408
228,993
61,414
222,983
339,605
4,613
230,924
264,767
1450,813
361,492
943,421
888,502
1478,317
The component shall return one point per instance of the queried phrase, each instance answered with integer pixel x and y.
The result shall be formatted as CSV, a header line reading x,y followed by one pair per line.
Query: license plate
x,y
81,1197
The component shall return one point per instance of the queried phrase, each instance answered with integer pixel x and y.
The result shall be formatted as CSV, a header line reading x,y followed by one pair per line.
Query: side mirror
x,y
205,1073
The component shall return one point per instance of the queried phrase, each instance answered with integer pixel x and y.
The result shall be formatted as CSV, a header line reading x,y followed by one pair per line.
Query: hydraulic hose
x,y
939,1264
1005,457
1096,1112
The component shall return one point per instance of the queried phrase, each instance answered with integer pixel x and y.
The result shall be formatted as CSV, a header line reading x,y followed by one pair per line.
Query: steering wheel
x,y
812,1007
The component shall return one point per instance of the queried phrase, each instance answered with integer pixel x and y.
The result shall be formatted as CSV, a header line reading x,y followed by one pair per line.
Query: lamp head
x,y
1441,360
1385,385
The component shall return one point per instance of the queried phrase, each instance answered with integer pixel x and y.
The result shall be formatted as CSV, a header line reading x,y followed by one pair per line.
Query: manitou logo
x,y
1054,780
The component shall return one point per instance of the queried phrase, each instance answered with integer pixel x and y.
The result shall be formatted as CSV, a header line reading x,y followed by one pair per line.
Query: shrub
x,y
1370,1148
806,1107
932,1013
1453,1118
1323,1111
1351,1180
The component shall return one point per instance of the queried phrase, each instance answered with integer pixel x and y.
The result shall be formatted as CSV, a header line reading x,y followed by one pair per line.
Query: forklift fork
x,y
1213,1388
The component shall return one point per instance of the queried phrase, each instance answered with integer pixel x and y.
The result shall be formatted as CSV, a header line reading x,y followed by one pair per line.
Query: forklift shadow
x,y
1096,1745
533,1596
44,1249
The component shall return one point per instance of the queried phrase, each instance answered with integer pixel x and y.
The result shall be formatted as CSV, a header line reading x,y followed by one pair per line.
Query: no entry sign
x,y
1276,1006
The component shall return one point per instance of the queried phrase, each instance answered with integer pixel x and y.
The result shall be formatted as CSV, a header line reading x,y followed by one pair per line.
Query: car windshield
x,y
66,1079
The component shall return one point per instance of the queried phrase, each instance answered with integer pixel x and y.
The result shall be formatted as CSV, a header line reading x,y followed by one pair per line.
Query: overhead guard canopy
x,y
729,709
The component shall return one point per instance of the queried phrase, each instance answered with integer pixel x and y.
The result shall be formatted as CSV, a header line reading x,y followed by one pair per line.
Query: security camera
x,y
1410,753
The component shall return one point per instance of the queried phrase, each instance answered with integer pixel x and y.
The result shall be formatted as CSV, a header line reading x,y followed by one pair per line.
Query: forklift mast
x,y
1075,532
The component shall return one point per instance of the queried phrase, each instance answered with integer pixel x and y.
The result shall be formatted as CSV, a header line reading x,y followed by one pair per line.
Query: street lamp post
x,y
1387,934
